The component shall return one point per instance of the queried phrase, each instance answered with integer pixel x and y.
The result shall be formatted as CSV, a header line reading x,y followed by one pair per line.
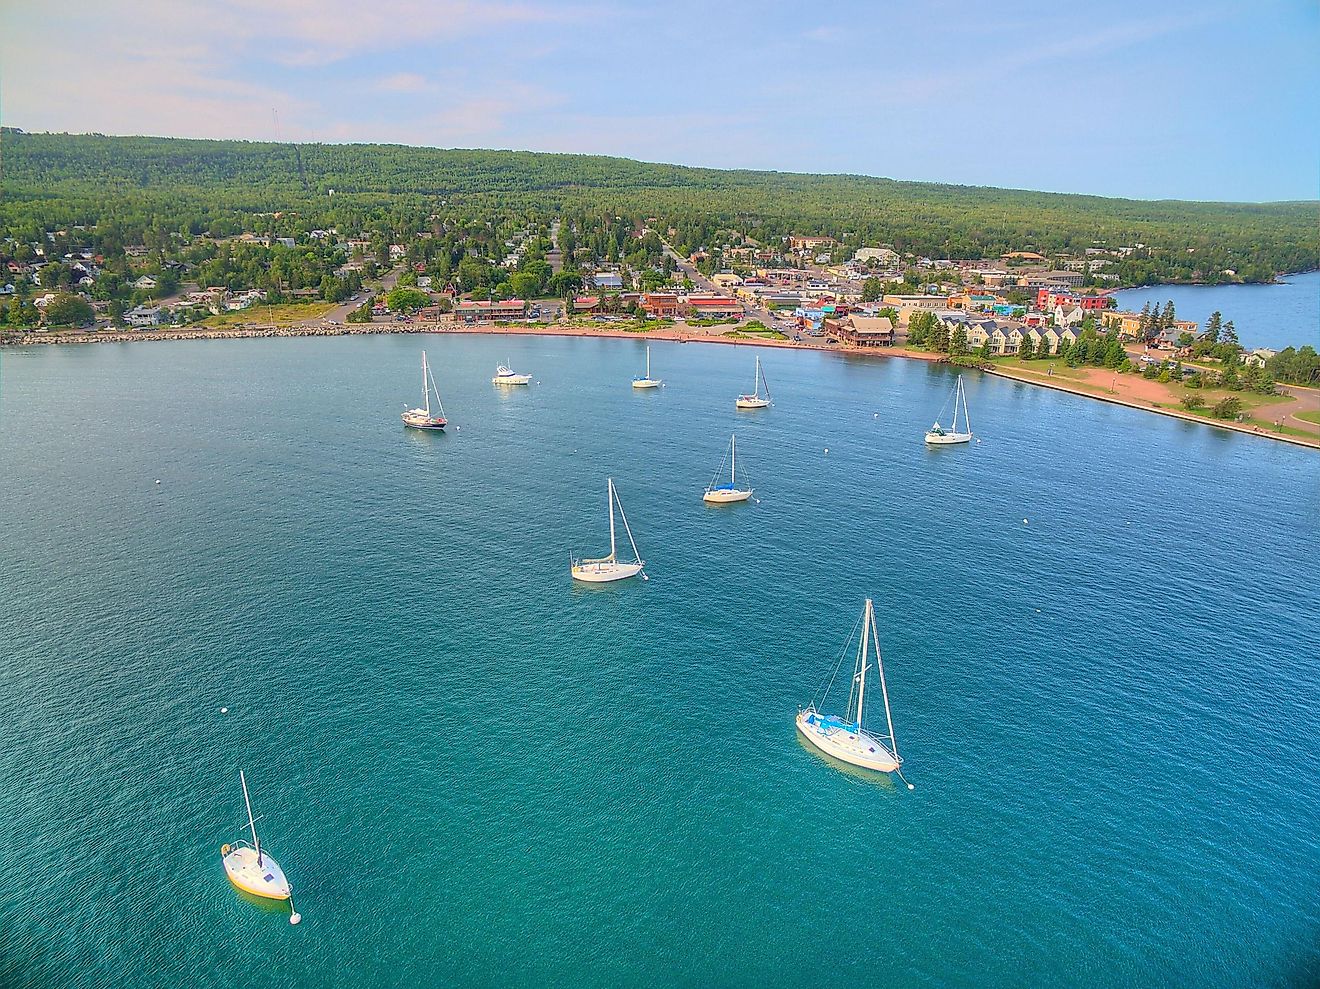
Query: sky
x,y
1150,100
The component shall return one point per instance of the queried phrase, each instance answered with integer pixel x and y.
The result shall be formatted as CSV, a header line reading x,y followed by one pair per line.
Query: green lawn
x,y
1310,417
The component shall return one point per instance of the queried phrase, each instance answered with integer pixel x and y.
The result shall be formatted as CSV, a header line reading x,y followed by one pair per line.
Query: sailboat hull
x,y
424,422
947,439
512,379
845,743
604,572
725,496
646,383
748,402
264,878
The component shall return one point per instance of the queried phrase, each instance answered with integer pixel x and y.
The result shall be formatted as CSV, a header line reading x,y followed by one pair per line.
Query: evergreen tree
x,y
958,342
937,337
1229,335
1212,326
1028,349
1168,318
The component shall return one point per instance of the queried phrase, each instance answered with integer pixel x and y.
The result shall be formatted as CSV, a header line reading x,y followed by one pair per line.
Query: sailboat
x,y
937,435
422,418
722,494
608,568
755,400
843,736
251,868
647,381
505,376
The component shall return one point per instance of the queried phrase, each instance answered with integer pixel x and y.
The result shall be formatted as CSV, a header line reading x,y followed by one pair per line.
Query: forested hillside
x,y
218,186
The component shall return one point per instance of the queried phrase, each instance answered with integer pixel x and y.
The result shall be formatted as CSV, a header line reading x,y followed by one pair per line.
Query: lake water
x,y
1274,316
1100,631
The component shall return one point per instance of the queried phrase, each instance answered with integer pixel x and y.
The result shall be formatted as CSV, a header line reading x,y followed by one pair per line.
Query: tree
x,y
362,314
984,353
1168,317
937,337
524,285
67,309
1230,334
1028,349
1227,408
1193,402
402,299
958,342
1186,339
872,290
1212,326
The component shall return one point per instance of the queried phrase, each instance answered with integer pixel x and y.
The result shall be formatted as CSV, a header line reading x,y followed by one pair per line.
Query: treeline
x,y
154,187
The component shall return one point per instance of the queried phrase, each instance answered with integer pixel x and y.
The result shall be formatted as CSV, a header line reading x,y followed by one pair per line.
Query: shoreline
x,y
671,334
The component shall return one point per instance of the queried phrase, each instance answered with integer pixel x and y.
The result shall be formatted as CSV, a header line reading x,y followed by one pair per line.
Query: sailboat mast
x,y
884,690
648,362
967,419
861,685
733,459
252,824
426,388
610,500
756,380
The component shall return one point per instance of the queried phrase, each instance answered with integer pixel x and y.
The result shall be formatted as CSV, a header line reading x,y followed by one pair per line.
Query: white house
x,y
140,316
146,282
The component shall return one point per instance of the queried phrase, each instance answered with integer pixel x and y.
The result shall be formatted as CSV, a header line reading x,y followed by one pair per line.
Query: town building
x,y
486,312
141,317
862,331
1047,299
661,305
713,307
607,280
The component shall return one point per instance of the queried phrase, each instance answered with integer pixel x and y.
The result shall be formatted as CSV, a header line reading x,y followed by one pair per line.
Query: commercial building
x,y
862,331
486,312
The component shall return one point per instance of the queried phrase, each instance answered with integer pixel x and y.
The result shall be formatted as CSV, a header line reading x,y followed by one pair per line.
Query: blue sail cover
x,y
827,722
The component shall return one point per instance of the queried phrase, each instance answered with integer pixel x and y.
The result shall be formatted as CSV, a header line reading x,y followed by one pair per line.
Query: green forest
x,y
146,190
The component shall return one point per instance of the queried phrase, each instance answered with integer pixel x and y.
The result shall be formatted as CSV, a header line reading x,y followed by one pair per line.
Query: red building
x,y
1048,298
713,306
660,305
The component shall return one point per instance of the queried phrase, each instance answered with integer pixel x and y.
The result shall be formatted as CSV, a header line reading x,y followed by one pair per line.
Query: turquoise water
x,y
1277,316
475,772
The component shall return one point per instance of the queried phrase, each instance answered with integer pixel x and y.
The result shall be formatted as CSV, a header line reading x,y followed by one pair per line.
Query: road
x,y
704,284
340,312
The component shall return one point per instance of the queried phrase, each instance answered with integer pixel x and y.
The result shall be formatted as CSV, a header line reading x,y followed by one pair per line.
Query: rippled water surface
x,y
1100,628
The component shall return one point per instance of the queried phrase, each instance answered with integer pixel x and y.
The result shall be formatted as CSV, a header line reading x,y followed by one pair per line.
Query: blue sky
x,y
1208,100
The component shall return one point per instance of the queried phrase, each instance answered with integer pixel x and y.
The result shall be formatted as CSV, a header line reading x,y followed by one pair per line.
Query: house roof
x,y
871,324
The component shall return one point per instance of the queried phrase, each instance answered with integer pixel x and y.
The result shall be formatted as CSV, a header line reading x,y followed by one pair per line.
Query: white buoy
x,y
1024,522
224,710
158,480
295,918
827,450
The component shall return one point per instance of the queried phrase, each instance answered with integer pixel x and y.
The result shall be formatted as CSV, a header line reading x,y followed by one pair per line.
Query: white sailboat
x,y
421,418
251,868
755,400
937,435
608,568
505,376
719,493
844,736
647,381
